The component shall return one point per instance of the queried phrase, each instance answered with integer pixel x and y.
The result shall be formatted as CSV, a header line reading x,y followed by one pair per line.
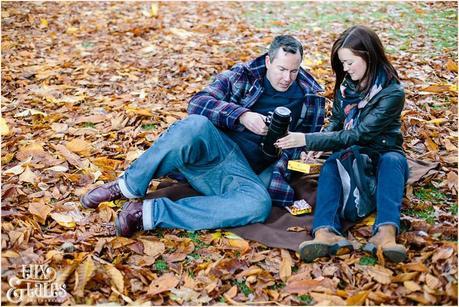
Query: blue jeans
x,y
392,174
213,165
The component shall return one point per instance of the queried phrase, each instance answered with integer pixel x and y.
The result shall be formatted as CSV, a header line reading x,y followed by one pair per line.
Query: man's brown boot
x,y
106,192
129,220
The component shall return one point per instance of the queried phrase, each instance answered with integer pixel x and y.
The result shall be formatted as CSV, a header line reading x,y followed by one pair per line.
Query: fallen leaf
x,y
4,129
40,210
240,244
63,220
443,253
433,282
79,146
162,284
15,170
380,274
357,299
412,286
116,276
451,65
83,275
28,176
153,248
327,299
285,269
231,292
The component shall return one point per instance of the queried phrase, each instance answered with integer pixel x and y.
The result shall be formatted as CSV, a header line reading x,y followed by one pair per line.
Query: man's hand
x,y
254,122
292,140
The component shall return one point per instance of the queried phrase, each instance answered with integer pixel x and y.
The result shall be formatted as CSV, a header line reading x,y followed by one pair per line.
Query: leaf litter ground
x,y
85,90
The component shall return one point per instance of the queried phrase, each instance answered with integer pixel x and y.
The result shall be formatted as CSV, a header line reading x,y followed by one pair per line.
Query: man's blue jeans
x,y
213,165
392,175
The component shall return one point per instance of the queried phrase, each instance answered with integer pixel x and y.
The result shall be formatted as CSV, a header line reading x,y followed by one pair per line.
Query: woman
x,y
366,111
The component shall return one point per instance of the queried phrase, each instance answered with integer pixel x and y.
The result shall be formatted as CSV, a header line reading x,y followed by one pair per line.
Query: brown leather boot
x,y
129,220
106,192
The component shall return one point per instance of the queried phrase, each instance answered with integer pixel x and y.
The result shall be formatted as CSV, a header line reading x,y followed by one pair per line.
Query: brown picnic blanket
x,y
276,231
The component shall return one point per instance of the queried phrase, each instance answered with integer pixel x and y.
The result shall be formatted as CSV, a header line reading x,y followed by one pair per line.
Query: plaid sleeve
x,y
219,100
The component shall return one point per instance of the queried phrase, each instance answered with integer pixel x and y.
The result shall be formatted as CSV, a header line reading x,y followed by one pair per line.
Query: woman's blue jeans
x,y
392,174
213,165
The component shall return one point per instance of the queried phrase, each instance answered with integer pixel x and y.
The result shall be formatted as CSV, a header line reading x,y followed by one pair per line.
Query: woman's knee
x,y
392,159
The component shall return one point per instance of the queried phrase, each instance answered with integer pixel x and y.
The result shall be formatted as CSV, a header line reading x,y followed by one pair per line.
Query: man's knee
x,y
261,208
197,123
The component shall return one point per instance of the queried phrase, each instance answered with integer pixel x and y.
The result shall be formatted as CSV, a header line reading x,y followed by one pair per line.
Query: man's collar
x,y
258,68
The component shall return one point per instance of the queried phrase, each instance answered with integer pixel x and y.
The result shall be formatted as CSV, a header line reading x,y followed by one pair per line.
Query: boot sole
x,y
395,254
309,251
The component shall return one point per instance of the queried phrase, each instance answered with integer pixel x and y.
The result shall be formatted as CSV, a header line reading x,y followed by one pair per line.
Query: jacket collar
x,y
258,69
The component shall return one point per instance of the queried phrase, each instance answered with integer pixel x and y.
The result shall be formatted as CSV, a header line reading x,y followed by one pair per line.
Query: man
x,y
217,148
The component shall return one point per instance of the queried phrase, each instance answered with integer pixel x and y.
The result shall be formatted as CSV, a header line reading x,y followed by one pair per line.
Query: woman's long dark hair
x,y
363,42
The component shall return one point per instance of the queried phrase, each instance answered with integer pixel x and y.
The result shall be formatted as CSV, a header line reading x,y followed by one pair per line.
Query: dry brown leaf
x,y
326,299
452,180
431,145
153,248
380,274
63,219
40,210
69,156
240,244
28,176
285,268
443,253
414,266
405,277
120,242
79,146
433,282
83,275
302,286
412,286
116,276
451,65
230,293
162,284
357,299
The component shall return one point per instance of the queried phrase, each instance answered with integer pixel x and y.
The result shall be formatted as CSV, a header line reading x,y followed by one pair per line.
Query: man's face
x,y
283,70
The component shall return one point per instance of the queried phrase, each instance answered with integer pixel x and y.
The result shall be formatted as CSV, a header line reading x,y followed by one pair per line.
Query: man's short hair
x,y
288,43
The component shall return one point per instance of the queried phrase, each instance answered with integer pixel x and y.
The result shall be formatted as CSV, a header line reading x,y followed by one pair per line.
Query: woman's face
x,y
354,65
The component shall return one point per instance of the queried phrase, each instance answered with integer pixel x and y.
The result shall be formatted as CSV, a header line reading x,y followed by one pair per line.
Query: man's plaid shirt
x,y
234,91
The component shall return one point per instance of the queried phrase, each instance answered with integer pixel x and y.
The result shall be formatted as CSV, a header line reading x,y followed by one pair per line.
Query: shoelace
x,y
114,190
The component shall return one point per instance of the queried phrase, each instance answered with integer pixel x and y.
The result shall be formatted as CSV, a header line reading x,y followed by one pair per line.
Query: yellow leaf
x,y
79,146
138,111
285,269
216,235
231,292
71,30
44,23
28,176
84,273
154,9
357,299
40,210
240,244
451,65
437,121
63,220
4,129
431,145
116,276
29,112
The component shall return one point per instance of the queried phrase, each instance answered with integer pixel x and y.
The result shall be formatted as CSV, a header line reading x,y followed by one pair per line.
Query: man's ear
x,y
267,60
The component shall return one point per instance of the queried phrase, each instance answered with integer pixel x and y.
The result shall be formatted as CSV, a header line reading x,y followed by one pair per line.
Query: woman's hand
x,y
292,140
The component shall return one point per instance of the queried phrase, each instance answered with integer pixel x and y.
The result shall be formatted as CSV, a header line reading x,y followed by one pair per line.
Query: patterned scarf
x,y
352,101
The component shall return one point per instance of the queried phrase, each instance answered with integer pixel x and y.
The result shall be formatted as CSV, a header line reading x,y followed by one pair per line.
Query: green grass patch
x,y
243,287
431,194
368,260
427,214
149,126
161,265
403,25
277,286
305,299
453,209
194,236
89,125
